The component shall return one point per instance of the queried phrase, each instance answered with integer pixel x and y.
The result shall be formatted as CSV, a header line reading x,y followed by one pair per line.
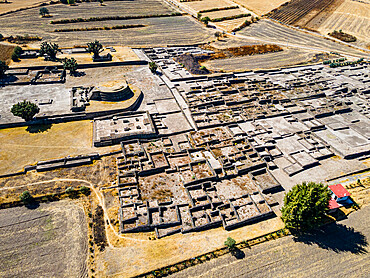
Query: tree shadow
x,y
237,253
335,237
38,128
32,205
79,74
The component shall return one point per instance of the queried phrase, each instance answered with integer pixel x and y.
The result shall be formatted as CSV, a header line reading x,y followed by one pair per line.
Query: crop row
x,y
229,17
293,11
105,18
219,9
100,28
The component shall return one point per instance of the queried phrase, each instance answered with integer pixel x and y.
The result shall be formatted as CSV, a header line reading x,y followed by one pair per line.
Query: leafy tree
x,y
305,206
50,49
230,243
3,68
16,53
218,35
26,197
71,65
153,67
205,20
26,110
1,37
95,47
101,2
44,12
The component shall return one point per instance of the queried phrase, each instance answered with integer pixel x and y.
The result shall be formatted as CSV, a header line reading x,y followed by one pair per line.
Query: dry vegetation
x,y
6,52
260,7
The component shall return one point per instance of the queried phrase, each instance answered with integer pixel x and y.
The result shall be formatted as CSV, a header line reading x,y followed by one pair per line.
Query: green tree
x,y
16,53
95,47
1,37
205,20
230,243
305,206
49,49
71,65
153,67
26,197
44,12
3,68
218,35
26,110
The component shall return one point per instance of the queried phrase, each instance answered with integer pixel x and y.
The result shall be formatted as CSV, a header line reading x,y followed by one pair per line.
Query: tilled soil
x,y
47,241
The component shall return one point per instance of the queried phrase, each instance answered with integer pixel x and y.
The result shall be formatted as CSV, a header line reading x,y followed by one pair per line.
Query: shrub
x,y
153,67
95,47
230,243
26,197
44,11
16,53
85,190
26,110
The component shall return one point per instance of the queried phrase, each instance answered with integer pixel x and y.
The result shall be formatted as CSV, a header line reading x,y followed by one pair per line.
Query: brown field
x,y
6,52
264,61
229,25
19,147
49,241
260,7
14,5
197,6
351,17
158,31
219,14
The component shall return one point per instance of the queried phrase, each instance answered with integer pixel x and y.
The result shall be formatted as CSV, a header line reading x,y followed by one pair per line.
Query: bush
x,y
305,206
26,197
44,11
71,65
153,67
26,110
85,190
16,53
230,243
95,47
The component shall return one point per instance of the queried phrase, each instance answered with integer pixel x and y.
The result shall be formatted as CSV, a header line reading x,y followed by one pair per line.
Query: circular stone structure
x,y
112,91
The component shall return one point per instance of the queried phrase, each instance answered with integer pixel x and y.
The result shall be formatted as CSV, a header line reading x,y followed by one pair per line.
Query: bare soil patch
x,y
49,241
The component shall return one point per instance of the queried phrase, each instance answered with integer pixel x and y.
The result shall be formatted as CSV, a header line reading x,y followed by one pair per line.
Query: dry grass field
x,y
49,241
272,32
224,13
351,17
19,147
260,7
157,32
14,5
6,52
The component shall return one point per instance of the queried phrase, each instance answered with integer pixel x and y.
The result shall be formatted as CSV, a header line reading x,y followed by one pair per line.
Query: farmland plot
x,y
351,17
262,61
272,32
260,7
50,241
157,32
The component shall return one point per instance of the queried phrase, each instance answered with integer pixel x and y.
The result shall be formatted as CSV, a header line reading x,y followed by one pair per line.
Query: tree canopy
x,y
305,206
71,65
44,11
230,243
26,197
25,109
95,47
50,49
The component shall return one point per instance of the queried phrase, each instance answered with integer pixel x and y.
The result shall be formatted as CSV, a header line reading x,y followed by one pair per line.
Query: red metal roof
x,y
333,204
339,190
